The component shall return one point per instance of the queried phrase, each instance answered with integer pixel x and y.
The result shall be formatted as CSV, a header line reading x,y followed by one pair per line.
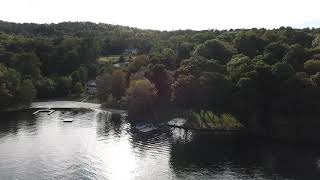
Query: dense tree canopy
x,y
245,72
214,49
141,96
249,43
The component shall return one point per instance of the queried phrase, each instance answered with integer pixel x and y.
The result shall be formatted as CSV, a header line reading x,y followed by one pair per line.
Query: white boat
x,y
67,120
146,127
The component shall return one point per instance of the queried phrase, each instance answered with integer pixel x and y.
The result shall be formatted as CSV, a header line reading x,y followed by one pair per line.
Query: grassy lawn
x,y
225,121
109,59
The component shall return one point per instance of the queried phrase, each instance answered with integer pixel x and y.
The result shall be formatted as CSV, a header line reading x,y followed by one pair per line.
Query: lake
x,y
93,147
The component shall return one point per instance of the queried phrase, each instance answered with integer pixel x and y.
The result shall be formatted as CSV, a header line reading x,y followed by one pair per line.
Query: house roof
x,y
91,83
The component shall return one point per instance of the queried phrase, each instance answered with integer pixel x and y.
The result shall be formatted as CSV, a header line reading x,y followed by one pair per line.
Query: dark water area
x,y
94,147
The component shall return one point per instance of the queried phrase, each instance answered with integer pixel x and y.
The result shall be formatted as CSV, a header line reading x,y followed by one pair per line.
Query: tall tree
x,y
248,43
214,49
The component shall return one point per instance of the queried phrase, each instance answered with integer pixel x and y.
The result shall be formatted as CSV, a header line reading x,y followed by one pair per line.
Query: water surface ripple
x,y
94,147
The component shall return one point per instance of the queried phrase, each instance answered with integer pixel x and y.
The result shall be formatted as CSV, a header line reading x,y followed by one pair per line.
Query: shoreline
x,y
15,108
96,106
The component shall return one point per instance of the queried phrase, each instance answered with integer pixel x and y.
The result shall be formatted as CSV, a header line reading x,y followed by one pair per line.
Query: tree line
x,y
247,73
244,72
43,67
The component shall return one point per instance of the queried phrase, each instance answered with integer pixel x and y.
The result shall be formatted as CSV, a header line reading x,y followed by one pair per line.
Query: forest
x,y
249,73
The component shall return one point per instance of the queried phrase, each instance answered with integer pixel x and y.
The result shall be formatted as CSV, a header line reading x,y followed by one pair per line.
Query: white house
x,y
91,87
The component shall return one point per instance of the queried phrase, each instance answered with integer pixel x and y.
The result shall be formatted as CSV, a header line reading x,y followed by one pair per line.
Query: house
x,y
91,87
130,52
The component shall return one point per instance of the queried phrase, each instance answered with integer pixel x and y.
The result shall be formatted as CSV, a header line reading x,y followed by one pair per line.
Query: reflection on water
x,y
93,147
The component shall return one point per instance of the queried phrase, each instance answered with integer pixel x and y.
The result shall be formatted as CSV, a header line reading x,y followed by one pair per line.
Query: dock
x,y
67,105
48,111
68,120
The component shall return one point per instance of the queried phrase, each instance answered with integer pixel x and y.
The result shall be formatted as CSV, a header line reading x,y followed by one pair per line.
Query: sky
x,y
168,14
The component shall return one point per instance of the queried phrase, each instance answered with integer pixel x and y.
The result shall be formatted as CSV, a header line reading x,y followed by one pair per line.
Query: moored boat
x,y
146,127
67,120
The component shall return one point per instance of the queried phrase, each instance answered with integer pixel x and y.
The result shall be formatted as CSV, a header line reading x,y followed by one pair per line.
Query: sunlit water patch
x,y
94,147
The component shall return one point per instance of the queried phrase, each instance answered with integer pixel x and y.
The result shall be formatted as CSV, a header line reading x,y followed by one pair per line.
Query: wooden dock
x,y
48,111
68,105
68,120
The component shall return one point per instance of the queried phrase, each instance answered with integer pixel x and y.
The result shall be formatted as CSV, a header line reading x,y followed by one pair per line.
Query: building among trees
x,y
91,87
130,52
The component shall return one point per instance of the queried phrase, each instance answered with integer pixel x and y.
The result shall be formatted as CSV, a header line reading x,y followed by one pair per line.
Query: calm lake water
x,y
92,147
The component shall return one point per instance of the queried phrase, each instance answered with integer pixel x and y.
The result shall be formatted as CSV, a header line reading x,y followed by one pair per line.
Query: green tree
x,y
248,43
312,66
213,92
104,86
89,49
239,67
119,83
13,80
196,65
161,78
316,41
214,49
267,58
121,59
5,96
141,96
45,88
277,50
184,50
296,56
201,37
64,85
316,79
27,91
138,63
283,71
183,91
83,74
9,85
27,64
75,76
169,58
78,88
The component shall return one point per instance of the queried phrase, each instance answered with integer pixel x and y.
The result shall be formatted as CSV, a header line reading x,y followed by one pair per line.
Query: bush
x,y
115,117
78,88
141,96
312,66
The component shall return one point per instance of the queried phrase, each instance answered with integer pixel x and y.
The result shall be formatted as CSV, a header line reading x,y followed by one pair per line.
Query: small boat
x,y
68,120
148,127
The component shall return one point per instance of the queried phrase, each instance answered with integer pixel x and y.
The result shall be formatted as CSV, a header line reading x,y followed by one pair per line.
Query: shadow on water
x,y
95,147
223,156
107,126
12,122
242,157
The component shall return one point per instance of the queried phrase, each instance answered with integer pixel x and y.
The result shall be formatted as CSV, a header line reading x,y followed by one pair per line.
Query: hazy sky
x,y
168,14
